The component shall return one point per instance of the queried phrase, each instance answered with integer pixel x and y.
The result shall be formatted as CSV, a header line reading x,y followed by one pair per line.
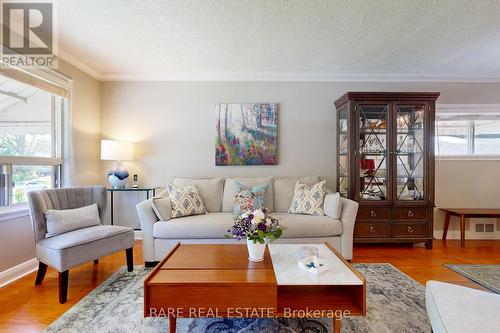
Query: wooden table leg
x,y
446,225
172,321
462,230
336,325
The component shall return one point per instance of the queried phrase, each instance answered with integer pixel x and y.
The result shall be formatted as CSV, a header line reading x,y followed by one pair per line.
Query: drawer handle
x,y
372,229
372,213
411,213
410,230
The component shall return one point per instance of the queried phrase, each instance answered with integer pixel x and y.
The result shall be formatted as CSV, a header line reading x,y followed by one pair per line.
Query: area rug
x,y
486,275
395,303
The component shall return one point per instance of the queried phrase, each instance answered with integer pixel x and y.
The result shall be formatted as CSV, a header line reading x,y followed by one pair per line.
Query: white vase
x,y
255,251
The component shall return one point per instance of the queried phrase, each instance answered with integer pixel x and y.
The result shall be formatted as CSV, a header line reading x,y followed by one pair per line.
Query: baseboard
x,y
455,234
137,235
12,274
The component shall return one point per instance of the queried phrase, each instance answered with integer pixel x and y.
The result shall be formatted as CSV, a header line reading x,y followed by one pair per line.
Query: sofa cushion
x,y
210,190
284,189
453,308
216,225
83,236
65,220
211,225
230,191
185,201
298,226
162,206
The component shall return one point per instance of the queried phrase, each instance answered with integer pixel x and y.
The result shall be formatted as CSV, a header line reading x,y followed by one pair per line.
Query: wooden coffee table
x,y
218,281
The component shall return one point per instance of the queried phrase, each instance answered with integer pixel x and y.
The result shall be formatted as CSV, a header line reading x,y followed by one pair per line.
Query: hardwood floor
x,y
25,307
423,265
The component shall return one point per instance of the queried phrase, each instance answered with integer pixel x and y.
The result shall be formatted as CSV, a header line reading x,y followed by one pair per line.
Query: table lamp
x,y
118,151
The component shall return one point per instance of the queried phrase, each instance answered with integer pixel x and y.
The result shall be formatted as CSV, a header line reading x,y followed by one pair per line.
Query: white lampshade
x,y
117,150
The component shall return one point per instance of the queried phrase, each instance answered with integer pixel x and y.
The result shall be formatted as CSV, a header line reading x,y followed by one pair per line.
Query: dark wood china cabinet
x,y
385,154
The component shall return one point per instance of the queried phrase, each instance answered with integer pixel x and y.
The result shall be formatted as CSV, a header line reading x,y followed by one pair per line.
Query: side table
x,y
139,189
464,213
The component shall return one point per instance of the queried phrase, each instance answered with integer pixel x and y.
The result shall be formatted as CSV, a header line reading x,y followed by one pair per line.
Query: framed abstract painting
x,y
247,134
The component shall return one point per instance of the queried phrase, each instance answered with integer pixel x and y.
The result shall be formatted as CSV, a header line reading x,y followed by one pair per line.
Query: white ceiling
x,y
449,40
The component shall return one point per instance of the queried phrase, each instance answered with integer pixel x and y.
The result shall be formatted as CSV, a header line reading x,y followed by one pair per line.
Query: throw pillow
x,y
61,221
185,201
161,206
284,188
308,200
249,198
230,191
210,190
333,205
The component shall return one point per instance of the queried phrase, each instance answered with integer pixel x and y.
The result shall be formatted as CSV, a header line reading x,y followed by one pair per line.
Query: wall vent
x,y
485,227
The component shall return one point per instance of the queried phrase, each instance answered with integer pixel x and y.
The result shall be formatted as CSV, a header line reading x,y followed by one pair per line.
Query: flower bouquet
x,y
257,227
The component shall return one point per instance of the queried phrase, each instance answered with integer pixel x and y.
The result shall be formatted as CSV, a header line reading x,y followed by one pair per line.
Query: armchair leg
x,y
130,259
63,286
96,261
42,269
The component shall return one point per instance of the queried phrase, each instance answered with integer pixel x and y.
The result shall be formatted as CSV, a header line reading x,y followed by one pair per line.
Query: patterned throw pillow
x,y
249,198
308,199
185,201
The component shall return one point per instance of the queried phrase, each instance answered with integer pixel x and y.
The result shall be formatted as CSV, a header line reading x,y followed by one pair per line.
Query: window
x,y
487,136
468,131
31,139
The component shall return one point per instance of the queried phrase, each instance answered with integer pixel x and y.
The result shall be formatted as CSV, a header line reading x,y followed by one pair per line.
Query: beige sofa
x,y
158,236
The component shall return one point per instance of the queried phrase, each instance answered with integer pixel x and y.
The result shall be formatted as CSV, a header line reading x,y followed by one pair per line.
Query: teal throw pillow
x,y
250,198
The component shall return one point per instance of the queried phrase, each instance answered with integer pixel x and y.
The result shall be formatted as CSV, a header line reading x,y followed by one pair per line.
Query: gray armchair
x,y
76,247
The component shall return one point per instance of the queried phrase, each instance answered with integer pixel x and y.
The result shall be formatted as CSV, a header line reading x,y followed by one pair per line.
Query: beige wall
x,y
86,125
172,124
466,184
16,236
16,242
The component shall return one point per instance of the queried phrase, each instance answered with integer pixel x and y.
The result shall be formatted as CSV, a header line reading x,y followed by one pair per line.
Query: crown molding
x,y
73,60
273,76
295,76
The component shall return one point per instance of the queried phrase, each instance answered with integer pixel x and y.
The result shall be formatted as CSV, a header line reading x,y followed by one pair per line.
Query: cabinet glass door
x,y
343,149
373,152
410,148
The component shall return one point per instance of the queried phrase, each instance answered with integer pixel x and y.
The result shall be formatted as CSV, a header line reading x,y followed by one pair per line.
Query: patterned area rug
x,y
486,275
395,303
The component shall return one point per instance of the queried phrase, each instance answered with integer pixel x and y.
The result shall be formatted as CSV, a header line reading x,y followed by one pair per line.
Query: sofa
x,y
457,309
160,232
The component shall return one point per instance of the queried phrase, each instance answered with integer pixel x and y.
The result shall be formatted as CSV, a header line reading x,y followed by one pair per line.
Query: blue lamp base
x,y
118,176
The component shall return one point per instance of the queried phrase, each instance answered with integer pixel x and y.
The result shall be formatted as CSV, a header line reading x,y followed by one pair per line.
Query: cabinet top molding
x,y
371,96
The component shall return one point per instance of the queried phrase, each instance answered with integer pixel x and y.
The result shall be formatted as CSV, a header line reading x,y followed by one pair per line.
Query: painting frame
x,y
246,134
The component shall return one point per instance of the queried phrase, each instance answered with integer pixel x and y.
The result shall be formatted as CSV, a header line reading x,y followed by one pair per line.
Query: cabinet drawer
x,y
373,213
376,229
406,229
410,213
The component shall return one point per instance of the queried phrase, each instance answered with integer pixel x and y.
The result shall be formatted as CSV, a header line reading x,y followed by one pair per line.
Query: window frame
x,y
62,160
462,109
